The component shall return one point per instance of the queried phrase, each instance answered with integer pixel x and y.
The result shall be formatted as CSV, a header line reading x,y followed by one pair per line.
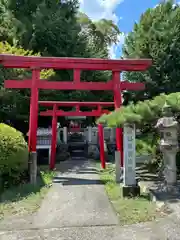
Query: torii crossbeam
x,y
36,64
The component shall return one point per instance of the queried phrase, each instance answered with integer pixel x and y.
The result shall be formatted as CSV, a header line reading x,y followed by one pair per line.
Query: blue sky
x,y
122,12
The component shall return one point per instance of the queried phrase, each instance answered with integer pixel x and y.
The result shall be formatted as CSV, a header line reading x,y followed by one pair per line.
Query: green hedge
x,y
142,113
14,154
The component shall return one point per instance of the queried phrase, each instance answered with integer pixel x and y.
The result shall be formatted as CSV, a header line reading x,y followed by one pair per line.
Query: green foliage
x,y
56,31
142,113
14,153
47,176
145,115
14,103
142,147
6,48
7,21
102,33
156,36
146,144
146,147
50,28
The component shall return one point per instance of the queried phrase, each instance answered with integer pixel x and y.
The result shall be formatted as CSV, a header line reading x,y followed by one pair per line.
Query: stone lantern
x,y
168,128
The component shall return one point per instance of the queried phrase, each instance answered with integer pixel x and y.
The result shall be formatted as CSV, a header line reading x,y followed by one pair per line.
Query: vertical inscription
x,y
129,155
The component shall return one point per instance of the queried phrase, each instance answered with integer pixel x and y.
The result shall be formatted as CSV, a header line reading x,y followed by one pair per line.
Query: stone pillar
x,y
130,186
65,135
118,167
49,155
33,167
168,128
169,157
89,134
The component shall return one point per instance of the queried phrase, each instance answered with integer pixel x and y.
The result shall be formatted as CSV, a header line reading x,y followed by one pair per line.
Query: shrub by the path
x,y
13,155
143,113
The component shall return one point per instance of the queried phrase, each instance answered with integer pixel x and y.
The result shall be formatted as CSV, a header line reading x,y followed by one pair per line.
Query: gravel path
x,y
77,208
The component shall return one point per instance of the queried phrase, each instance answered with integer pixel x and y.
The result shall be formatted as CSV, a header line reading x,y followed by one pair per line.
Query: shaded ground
x,y
24,199
77,208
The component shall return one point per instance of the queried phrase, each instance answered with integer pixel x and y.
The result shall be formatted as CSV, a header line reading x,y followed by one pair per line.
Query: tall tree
x,y
156,36
102,33
51,28
7,27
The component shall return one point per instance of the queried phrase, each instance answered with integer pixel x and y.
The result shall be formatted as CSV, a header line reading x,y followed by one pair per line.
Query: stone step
x,y
78,154
77,151
77,144
77,147
78,158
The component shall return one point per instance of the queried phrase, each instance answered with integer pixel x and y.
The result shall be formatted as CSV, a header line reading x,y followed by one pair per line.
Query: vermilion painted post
x,y
29,139
33,123
33,119
54,138
118,103
30,130
119,143
101,145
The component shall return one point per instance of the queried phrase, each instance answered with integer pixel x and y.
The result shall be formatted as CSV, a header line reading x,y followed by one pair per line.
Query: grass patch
x,y
25,198
129,210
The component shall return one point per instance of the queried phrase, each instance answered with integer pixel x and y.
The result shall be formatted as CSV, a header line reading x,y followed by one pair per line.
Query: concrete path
x,y
77,198
77,208
166,229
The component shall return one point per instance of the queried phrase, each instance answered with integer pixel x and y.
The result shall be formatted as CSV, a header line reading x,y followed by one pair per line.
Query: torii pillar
x,y
54,138
118,103
33,123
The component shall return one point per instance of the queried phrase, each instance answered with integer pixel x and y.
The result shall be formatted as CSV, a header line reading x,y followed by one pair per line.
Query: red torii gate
x,y
36,64
55,112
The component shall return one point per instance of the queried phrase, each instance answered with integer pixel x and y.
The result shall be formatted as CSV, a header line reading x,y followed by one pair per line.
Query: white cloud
x,y
156,5
97,9
174,5
178,3
122,37
112,52
115,47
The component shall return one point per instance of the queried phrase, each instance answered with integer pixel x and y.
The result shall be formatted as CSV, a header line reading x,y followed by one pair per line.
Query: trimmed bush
x,y
13,154
142,113
145,115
